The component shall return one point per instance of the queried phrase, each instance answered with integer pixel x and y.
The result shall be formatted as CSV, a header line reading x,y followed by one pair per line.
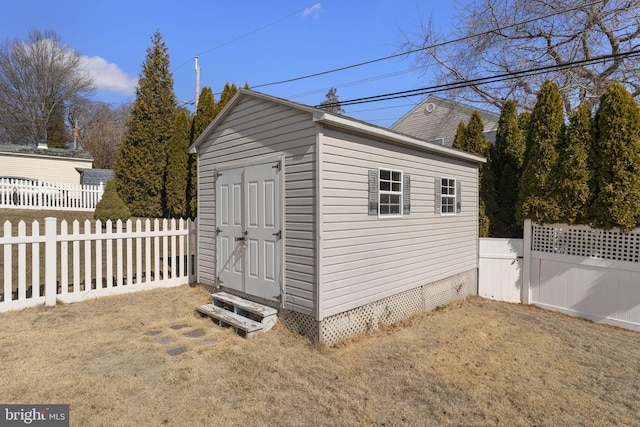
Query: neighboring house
x,y
94,176
436,120
339,223
51,165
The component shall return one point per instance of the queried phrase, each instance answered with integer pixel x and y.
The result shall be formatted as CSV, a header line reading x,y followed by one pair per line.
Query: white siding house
x,y
53,165
339,223
436,120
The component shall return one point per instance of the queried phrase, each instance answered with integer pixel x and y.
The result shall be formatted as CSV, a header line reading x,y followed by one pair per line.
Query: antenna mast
x,y
197,82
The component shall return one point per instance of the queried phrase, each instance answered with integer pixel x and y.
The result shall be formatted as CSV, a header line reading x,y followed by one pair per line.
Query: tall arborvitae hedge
x,y
227,93
142,155
470,138
177,170
574,170
537,197
616,161
208,109
206,112
506,163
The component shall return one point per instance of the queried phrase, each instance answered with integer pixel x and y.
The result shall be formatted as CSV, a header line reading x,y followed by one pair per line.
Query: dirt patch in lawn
x,y
148,359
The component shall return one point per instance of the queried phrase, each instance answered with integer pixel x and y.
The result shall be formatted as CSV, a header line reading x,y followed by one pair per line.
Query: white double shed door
x,y
249,235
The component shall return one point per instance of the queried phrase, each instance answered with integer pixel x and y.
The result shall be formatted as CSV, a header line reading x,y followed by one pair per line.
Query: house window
x,y
390,192
448,196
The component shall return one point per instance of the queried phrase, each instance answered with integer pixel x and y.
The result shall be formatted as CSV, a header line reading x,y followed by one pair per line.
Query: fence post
x,y
192,251
99,194
526,263
50,261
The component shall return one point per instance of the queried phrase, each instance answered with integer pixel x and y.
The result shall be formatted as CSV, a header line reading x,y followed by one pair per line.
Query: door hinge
x,y
277,166
218,231
278,234
218,174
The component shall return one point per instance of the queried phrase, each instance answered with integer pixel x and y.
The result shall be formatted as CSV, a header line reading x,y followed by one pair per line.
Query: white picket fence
x,y
62,265
577,270
19,193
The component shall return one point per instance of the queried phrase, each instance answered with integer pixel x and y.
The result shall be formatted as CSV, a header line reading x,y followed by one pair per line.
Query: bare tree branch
x,y
499,35
37,77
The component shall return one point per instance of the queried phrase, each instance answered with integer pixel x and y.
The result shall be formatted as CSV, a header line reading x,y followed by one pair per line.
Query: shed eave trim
x,y
395,137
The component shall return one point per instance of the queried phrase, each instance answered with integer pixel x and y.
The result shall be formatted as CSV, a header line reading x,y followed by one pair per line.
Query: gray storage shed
x,y
338,223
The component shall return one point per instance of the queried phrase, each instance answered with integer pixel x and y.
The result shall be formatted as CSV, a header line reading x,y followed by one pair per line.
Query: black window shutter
x,y
373,192
458,196
438,196
406,195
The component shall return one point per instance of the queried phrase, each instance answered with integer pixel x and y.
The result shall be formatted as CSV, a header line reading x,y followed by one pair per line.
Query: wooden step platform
x,y
248,318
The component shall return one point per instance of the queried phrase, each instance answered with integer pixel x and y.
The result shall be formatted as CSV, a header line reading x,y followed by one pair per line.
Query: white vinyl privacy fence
x,y
18,193
577,270
500,269
44,265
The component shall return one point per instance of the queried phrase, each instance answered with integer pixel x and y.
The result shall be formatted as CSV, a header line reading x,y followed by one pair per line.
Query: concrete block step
x,y
243,325
221,299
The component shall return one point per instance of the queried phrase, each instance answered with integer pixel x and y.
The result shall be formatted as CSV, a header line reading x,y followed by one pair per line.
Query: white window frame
x,y
452,185
391,192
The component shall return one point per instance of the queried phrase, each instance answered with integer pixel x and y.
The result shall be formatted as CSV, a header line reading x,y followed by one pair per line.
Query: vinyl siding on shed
x,y
252,129
366,258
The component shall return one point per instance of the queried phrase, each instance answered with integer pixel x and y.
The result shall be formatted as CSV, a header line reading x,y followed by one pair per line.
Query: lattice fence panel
x,y
584,241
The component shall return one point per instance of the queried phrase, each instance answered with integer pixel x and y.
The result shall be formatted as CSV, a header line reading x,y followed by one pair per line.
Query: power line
x,y
433,46
277,21
485,80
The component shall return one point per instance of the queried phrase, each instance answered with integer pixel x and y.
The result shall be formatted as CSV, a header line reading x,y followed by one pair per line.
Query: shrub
x,y
111,205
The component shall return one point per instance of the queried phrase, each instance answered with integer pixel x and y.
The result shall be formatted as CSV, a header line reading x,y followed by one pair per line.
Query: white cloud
x,y
108,76
313,10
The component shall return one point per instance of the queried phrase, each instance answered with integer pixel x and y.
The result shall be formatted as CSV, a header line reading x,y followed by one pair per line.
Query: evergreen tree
x,y
459,141
227,93
574,172
524,119
177,170
506,162
207,111
331,102
142,155
111,205
616,161
536,198
470,138
57,132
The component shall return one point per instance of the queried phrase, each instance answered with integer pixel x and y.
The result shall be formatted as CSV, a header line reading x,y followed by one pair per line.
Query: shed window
x,y
448,193
389,193
448,196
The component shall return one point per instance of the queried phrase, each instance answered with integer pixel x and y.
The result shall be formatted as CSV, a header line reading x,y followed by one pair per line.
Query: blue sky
x,y
243,41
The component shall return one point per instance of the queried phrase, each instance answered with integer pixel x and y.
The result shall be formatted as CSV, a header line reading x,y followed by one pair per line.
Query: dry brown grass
x,y
475,362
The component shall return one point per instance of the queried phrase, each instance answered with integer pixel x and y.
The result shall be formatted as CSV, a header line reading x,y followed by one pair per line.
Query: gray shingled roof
x,y
53,152
94,176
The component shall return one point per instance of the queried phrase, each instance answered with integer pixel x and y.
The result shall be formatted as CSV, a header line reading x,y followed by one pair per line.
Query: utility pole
x,y
197,82
75,135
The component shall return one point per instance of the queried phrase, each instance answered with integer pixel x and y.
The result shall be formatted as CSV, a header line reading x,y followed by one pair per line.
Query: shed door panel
x,y
263,231
230,251
249,230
